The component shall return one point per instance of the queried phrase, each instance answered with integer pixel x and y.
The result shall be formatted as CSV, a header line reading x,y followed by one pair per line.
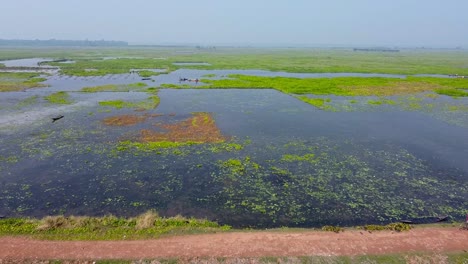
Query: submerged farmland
x,y
247,148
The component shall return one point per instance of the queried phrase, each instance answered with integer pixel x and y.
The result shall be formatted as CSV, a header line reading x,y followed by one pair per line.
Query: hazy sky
x,y
254,22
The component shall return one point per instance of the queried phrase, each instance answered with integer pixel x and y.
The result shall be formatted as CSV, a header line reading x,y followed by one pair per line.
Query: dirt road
x,y
244,244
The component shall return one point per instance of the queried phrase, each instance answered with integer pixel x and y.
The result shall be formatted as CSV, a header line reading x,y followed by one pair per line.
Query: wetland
x,y
266,139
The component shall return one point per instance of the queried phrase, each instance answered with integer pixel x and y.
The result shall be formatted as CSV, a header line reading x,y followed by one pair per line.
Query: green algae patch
x,y
58,98
119,104
293,158
152,146
319,103
381,101
27,102
225,147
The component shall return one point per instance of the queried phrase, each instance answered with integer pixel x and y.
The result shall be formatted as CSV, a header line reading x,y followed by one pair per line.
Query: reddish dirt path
x,y
243,244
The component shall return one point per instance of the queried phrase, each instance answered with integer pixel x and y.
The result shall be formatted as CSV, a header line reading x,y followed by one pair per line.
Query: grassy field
x,y
147,225
312,60
345,86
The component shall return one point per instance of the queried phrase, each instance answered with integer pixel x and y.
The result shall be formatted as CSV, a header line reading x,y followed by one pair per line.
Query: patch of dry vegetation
x,y
124,120
200,128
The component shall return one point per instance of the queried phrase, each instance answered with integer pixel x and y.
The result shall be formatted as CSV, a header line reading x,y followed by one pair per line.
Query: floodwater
x,y
59,82
34,62
293,164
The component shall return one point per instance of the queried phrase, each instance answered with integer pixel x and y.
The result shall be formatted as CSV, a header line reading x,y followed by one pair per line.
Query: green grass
x,y
147,225
58,98
115,88
313,60
11,81
343,86
150,103
114,66
320,103
146,73
381,101
453,92
35,81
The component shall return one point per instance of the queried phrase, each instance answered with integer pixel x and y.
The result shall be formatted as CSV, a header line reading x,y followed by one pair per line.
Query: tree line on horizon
x,y
55,42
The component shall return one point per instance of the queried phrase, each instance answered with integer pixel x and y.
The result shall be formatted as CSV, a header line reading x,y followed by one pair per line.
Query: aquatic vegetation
x,y
176,86
101,88
35,81
289,60
190,167
343,86
123,120
292,158
146,73
453,92
150,103
116,104
456,108
146,225
58,98
312,192
115,88
152,146
210,75
317,102
114,66
27,102
381,101
228,147
9,159
10,81
411,103
200,128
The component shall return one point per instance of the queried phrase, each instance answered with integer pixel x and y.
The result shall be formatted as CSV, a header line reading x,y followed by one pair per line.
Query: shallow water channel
x,y
283,162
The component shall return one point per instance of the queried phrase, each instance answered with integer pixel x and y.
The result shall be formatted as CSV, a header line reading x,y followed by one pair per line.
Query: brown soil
x,y
244,244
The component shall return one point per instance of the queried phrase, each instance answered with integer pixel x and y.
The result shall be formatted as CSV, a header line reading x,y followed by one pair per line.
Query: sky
x,y
389,23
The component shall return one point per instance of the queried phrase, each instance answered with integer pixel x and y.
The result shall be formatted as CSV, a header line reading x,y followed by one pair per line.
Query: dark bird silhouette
x,y
56,118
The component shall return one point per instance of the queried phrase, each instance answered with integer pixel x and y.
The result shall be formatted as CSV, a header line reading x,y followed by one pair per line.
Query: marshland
x,y
267,138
